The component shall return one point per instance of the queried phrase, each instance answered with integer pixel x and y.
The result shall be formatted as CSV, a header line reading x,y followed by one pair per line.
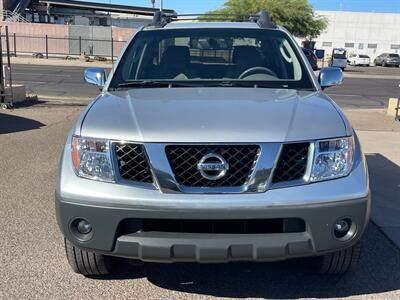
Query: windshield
x,y
339,53
393,55
205,57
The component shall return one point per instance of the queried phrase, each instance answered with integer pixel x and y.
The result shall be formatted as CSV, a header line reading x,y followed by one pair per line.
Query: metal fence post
x,y
2,86
47,46
10,85
112,49
15,44
80,45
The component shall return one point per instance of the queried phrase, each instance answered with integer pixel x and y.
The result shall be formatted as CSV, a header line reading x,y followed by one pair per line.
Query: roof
x,y
147,11
193,25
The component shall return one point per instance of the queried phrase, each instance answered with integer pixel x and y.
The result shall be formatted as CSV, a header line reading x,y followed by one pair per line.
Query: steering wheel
x,y
257,70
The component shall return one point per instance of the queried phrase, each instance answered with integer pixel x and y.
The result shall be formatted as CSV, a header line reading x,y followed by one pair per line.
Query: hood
x,y
213,115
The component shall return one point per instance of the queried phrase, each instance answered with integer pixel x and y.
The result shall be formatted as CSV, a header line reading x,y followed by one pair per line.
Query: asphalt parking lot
x,y
33,264
363,87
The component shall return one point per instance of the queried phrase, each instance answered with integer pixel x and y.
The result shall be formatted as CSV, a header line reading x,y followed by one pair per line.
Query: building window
x,y
326,44
349,45
360,46
372,46
395,46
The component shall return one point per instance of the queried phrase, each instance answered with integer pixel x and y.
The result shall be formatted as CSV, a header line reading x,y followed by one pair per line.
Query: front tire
x,y
339,262
87,263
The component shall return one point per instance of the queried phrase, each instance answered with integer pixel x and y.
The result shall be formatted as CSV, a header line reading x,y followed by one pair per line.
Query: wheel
x,y
87,263
4,106
339,262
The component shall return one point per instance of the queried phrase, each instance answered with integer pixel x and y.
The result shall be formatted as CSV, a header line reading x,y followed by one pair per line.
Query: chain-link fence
x,y
47,46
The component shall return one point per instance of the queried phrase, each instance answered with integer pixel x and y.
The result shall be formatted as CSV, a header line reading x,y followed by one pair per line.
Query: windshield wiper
x,y
307,89
171,84
228,83
153,84
224,83
251,84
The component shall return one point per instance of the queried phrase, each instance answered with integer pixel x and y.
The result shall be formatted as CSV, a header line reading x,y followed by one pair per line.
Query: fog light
x,y
81,229
84,227
341,228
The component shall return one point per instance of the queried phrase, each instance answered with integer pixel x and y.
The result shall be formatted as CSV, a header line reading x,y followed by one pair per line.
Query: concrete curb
x,y
370,76
58,62
64,99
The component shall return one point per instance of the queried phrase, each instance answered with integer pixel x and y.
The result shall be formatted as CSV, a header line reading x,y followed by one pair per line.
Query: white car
x,y
360,60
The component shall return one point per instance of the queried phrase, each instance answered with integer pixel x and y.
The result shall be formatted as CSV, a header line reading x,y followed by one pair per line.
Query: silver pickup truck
x,y
212,142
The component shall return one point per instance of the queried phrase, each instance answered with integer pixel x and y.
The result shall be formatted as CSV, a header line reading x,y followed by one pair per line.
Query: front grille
x,y
184,159
132,162
292,162
252,226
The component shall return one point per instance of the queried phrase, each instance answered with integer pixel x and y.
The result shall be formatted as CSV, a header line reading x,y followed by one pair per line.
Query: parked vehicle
x,y
339,58
312,58
387,60
186,158
359,60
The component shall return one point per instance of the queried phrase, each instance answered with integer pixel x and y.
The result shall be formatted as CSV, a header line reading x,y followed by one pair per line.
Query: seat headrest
x,y
176,57
247,56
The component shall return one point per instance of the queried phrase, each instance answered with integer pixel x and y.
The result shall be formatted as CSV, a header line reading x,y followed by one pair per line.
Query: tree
x,y
297,16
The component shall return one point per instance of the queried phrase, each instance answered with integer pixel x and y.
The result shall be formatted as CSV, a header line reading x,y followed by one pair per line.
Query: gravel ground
x,y
33,264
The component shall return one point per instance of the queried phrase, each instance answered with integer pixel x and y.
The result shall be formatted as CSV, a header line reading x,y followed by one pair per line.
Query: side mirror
x,y
95,76
329,77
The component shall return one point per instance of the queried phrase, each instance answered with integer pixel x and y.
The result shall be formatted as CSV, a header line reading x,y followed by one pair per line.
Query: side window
x,y
129,70
290,59
163,46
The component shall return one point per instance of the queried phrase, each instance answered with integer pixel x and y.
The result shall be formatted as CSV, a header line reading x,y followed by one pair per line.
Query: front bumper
x,y
362,62
392,63
169,247
106,205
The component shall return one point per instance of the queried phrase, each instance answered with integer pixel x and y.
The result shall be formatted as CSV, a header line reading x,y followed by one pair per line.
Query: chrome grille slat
x,y
183,159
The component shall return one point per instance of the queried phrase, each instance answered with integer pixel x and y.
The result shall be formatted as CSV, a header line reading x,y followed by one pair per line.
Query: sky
x,y
199,6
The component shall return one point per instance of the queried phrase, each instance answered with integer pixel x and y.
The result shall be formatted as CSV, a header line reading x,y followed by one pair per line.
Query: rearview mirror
x,y
95,76
329,77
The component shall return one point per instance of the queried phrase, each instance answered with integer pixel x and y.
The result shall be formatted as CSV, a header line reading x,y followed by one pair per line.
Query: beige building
x,y
361,33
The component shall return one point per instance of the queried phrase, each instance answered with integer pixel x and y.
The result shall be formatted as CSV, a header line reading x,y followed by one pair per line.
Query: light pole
x,y
112,36
153,2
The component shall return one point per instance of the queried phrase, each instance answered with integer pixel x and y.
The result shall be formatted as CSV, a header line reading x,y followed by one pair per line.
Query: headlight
x,y
91,158
332,159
